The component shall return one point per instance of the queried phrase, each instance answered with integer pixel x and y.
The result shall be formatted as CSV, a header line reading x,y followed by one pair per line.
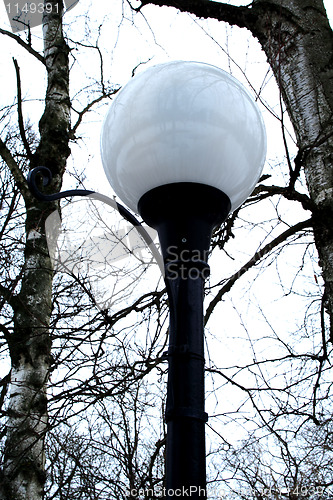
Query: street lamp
x,y
183,144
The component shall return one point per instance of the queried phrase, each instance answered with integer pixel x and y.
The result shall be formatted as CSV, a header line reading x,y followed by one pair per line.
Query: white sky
x,y
163,34
160,34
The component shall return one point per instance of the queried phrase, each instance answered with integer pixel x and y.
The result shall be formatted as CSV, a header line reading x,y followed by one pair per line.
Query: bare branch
x,y
241,16
19,110
15,170
23,44
254,260
87,108
287,192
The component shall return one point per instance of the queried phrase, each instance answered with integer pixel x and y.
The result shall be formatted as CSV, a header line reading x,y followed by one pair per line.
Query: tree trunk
x,y
23,474
298,41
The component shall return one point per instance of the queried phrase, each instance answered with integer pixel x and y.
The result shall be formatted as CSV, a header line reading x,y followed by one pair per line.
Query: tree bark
x,y
23,474
298,42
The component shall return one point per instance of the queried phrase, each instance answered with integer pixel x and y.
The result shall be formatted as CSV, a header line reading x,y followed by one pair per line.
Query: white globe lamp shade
x,y
183,122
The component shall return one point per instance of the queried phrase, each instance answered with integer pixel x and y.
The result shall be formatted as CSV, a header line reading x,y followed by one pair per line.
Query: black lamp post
x,y
184,214
183,144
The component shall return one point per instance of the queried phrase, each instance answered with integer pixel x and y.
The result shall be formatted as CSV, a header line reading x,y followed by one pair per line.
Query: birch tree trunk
x,y
298,42
23,474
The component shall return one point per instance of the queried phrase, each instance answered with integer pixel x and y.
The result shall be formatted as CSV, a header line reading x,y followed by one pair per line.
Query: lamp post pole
x,y
185,406
185,214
